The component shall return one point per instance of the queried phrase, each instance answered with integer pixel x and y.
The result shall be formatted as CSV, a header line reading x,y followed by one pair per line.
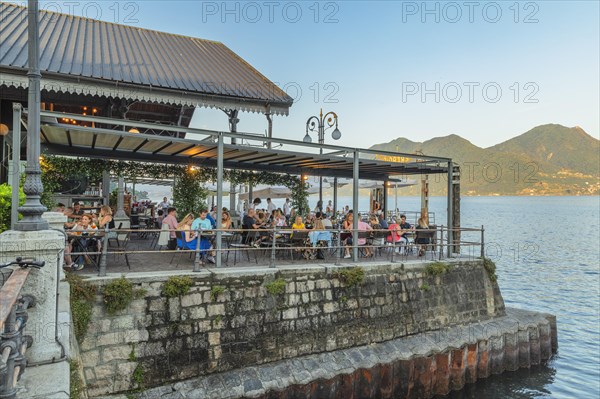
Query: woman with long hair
x,y
225,220
105,217
422,241
189,236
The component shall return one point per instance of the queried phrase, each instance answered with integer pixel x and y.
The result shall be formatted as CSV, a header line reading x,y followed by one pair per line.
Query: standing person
x,y
171,221
319,207
287,208
270,207
164,205
255,203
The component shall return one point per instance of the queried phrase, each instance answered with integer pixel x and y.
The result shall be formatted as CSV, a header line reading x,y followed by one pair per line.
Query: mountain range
x,y
546,160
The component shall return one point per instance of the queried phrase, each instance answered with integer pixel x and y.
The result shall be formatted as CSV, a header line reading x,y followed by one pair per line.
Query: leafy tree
x,y
5,205
189,194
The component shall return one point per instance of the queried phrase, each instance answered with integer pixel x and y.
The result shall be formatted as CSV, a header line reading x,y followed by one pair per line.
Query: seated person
x,y
203,222
362,226
382,222
422,241
395,237
374,222
105,218
190,238
405,227
298,224
278,218
225,220
319,233
85,229
250,223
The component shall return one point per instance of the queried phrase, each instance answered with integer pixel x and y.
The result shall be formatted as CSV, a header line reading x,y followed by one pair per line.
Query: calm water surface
x,y
547,252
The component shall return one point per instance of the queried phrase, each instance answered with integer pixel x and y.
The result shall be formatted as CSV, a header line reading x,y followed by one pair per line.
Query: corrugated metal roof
x,y
86,48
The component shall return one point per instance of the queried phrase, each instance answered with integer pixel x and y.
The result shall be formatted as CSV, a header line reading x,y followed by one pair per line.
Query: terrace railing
x,y
281,245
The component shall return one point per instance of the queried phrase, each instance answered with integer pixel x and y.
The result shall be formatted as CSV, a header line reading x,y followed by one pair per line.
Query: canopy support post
x,y
355,184
219,197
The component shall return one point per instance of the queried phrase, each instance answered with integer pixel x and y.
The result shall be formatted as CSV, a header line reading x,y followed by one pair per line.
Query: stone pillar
x,y
56,220
46,245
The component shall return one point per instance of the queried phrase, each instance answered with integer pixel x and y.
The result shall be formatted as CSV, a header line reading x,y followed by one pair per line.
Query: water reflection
x,y
521,384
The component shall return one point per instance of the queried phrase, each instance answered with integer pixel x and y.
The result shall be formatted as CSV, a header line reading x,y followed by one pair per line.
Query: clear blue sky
x,y
374,58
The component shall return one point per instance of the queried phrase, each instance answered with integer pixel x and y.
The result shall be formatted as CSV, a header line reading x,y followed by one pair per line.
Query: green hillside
x,y
546,160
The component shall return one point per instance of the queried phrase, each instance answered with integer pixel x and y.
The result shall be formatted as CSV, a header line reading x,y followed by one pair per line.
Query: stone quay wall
x,y
238,318
417,367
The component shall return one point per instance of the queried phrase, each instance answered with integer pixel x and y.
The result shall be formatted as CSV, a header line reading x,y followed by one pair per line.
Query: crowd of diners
x,y
183,231
81,229
263,219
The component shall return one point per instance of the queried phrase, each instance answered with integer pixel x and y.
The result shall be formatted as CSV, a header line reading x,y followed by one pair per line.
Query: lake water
x,y
547,252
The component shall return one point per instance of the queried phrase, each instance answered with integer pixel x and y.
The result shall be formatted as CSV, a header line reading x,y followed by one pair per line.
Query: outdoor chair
x,y
298,240
241,242
378,241
363,235
179,250
426,236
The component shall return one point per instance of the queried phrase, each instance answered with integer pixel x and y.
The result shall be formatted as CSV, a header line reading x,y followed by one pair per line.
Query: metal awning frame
x,y
423,166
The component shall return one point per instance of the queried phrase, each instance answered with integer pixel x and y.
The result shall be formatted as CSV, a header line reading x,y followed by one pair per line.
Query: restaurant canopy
x,y
112,142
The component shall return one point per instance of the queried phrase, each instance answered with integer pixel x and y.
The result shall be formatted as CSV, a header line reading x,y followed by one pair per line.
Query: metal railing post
x,y
441,249
338,247
197,260
104,253
272,262
482,243
393,247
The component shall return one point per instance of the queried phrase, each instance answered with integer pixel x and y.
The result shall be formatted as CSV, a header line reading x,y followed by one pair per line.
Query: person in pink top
x,y
171,221
362,226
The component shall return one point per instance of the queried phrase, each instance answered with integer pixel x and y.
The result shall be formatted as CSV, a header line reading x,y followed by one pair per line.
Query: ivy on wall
x,y
55,169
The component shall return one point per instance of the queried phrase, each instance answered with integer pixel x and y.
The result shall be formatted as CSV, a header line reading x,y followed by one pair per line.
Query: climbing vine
x,y
55,169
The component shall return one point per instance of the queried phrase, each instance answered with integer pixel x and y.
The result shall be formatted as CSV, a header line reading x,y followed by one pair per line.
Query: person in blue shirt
x,y
204,223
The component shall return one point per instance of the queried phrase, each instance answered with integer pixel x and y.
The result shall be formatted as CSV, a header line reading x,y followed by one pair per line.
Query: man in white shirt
x,y
287,208
164,205
270,206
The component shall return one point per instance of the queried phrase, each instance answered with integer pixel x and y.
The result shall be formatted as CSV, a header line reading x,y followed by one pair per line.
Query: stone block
x,y
112,338
291,313
120,352
216,309
192,299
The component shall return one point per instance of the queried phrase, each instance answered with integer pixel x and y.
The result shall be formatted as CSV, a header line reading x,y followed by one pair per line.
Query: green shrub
x,y
424,287
276,287
119,293
351,277
215,291
437,268
490,267
82,296
5,205
177,286
76,384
